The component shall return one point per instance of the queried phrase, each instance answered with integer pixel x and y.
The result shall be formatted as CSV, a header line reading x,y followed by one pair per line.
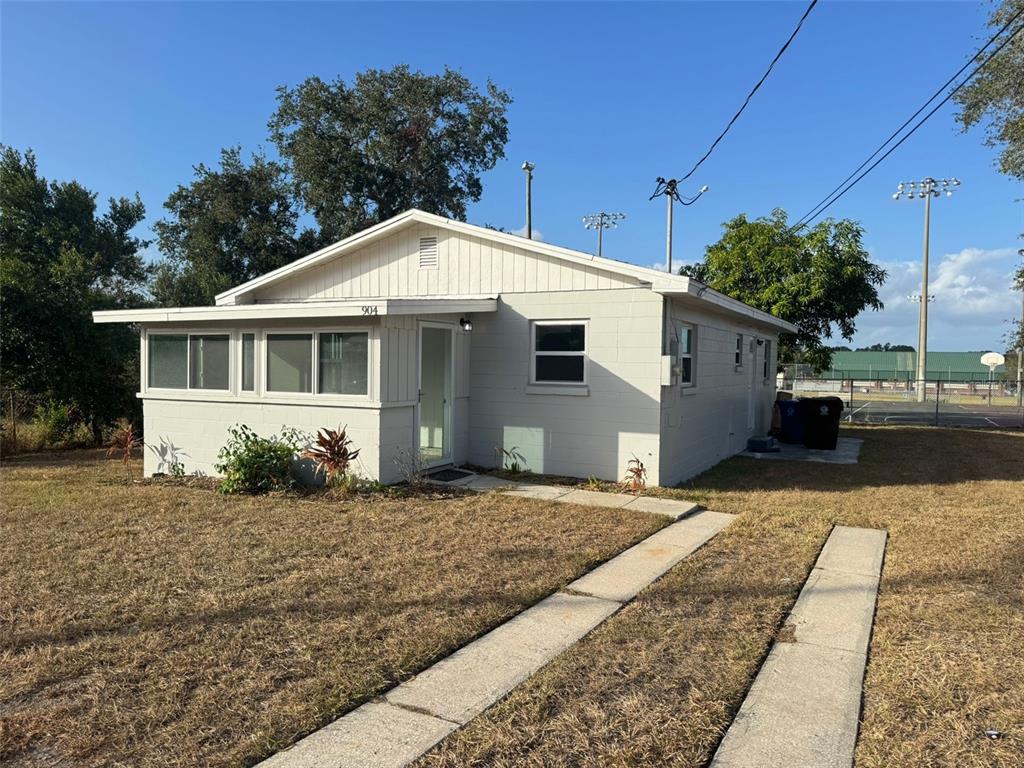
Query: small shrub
x,y
169,458
331,454
254,464
636,475
512,460
124,442
57,423
411,466
594,483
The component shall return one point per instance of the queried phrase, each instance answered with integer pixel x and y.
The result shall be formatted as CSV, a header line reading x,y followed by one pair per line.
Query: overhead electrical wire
x,y
832,197
754,90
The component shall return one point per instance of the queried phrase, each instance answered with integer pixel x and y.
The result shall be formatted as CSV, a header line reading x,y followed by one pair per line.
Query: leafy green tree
x,y
395,139
996,95
59,262
819,280
228,226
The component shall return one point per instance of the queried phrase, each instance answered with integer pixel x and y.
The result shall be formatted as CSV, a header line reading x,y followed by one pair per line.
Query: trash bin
x,y
821,421
791,421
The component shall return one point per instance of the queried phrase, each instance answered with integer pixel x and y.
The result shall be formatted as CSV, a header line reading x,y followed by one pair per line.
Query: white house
x,y
426,334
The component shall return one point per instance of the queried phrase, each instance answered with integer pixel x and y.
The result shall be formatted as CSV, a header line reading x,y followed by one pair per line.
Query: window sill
x,y
329,401
574,390
687,391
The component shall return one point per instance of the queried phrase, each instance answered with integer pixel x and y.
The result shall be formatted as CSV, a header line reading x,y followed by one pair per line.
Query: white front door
x,y
434,422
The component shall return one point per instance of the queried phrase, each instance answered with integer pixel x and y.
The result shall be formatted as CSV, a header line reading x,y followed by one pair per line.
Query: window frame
x,y
314,392
738,353
188,333
766,374
256,368
585,353
692,354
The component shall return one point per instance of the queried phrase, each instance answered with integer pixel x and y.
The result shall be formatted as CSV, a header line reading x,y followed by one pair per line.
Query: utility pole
x,y
926,188
602,221
670,189
1020,336
528,167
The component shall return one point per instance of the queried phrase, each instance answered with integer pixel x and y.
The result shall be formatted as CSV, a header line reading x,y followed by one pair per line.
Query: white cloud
x,y
973,301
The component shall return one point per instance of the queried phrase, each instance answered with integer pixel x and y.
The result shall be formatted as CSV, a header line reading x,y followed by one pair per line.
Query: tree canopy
x,y
395,139
995,96
818,279
60,261
227,226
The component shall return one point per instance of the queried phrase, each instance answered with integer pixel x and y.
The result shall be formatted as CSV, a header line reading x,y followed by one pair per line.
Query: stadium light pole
x,y
602,221
926,188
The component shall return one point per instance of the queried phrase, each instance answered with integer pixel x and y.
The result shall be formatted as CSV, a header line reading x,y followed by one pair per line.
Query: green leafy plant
x,y
254,464
123,444
331,454
593,483
636,475
512,459
56,422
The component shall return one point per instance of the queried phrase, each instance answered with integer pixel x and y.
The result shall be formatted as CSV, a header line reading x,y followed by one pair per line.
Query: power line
x,y
750,95
832,197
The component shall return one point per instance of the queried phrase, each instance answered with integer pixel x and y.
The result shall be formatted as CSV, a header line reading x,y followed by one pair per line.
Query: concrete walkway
x,y
397,728
569,495
804,706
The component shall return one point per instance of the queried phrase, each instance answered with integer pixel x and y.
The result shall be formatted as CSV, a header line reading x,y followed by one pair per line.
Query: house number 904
x,y
369,310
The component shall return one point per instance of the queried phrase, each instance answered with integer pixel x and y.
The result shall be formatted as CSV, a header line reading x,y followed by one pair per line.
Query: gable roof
x,y
657,281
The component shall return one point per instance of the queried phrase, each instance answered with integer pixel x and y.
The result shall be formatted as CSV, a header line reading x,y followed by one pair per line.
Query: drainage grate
x,y
448,475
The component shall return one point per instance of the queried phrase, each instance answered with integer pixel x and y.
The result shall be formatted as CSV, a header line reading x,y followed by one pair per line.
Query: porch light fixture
x,y
465,324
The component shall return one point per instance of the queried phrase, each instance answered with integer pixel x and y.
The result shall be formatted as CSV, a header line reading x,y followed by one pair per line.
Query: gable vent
x,y
428,252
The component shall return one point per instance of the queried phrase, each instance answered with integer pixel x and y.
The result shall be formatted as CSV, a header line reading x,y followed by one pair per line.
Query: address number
x,y
369,310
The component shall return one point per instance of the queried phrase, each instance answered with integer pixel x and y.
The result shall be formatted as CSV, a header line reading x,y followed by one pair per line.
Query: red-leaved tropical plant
x,y
331,454
636,475
123,445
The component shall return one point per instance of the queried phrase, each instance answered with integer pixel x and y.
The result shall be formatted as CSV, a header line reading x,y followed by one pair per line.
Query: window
x,y
289,362
683,342
767,358
739,350
559,352
208,361
248,362
168,361
343,363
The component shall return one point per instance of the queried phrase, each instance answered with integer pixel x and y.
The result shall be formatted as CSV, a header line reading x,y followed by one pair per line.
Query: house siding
x,y
467,265
704,424
596,434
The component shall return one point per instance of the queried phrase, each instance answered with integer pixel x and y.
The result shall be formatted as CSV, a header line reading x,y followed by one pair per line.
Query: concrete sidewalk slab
x,y
853,550
802,710
470,680
622,577
538,491
483,483
597,498
804,704
835,610
670,507
376,734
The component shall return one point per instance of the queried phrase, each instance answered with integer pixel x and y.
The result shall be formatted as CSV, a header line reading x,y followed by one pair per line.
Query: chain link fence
x,y
938,402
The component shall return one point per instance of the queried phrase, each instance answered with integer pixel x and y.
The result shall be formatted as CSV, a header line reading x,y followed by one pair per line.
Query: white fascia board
x,y
701,292
359,308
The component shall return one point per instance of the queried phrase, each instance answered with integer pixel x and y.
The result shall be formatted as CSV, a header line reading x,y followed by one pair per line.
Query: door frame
x,y
449,411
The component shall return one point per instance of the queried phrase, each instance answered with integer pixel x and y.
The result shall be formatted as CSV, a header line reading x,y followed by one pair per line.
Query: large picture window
x,y
343,363
289,362
168,361
559,352
208,365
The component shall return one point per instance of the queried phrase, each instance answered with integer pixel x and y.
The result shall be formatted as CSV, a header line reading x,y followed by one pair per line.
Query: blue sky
x,y
127,97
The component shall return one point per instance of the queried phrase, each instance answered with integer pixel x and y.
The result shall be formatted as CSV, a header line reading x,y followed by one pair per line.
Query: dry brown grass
x,y
162,624
659,683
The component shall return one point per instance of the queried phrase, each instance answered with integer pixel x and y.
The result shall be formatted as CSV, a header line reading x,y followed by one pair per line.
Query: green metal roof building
x,y
942,366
